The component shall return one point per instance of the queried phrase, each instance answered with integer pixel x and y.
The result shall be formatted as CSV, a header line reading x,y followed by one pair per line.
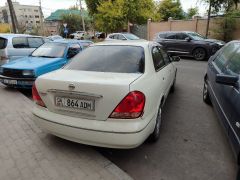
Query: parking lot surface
x,y
192,144
27,153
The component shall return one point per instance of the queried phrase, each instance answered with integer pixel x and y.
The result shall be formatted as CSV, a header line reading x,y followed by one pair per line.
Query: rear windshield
x,y
50,50
3,43
116,59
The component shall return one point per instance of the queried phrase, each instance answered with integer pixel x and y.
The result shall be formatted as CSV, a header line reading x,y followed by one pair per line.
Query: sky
x,y
52,5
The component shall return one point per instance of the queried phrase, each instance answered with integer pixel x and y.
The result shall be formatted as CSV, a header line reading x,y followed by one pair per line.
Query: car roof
x,y
69,41
164,32
141,43
16,35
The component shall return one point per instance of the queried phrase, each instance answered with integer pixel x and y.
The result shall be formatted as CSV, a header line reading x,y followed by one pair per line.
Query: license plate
x,y
74,103
12,82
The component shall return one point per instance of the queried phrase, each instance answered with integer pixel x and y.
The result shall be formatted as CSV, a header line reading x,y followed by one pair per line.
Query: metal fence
x,y
139,30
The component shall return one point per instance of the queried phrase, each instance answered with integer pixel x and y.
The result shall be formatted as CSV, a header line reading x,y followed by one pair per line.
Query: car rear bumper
x,y
94,132
17,82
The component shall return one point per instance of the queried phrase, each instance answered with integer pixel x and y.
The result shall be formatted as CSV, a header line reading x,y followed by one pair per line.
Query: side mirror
x,y
188,39
176,58
227,79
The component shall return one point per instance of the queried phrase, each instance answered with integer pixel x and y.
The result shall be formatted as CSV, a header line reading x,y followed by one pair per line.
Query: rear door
x,y
162,72
169,42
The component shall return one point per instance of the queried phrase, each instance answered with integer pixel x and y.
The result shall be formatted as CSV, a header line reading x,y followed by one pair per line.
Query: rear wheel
x,y
156,133
206,96
173,85
199,54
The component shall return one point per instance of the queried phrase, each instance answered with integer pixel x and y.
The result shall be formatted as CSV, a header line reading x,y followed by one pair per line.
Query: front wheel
x,y
199,54
206,96
156,133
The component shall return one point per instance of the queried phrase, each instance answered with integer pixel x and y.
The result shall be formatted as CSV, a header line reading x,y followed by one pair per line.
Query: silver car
x,y
14,46
122,36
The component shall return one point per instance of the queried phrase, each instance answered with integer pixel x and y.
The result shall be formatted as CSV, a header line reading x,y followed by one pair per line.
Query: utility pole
x,y
41,17
13,16
209,17
81,13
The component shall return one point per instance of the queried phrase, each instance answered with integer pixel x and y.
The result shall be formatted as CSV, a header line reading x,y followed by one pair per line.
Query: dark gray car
x,y
222,90
186,43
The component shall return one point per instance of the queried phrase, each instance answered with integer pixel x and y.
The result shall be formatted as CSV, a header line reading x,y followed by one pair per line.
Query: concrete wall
x,y
196,25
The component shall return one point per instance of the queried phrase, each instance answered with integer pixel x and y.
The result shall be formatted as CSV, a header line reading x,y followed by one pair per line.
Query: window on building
x,y
36,16
35,10
37,22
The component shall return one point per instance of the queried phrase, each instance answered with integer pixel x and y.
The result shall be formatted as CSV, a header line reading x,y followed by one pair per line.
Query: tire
x,y
206,96
199,54
173,85
156,133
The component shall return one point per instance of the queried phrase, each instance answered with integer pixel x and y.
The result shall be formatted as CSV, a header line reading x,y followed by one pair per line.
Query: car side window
x,y
121,37
20,42
158,59
181,36
171,36
35,42
162,35
233,65
222,58
165,56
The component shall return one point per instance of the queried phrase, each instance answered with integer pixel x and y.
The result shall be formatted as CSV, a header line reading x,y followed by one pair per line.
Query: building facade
x,y
28,16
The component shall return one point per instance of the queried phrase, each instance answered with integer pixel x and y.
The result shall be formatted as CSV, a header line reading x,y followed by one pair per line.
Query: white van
x,y
14,46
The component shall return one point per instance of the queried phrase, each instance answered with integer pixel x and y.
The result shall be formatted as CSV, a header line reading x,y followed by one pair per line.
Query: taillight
x,y
36,96
130,107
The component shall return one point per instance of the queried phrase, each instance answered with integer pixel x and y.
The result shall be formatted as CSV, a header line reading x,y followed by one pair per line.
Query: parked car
x,y
77,35
55,37
221,89
186,43
122,36
50,56
18,45
100,98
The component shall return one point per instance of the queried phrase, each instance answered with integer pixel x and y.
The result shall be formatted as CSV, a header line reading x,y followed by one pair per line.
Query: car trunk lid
x,y
94,95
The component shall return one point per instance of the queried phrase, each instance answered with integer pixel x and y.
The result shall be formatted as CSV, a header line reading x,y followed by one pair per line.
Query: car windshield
x,y
116,59
196,36
131,37
51,50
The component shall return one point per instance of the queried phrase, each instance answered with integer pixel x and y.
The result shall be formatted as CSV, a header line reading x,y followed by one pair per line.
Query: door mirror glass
x,y
227,79
176,58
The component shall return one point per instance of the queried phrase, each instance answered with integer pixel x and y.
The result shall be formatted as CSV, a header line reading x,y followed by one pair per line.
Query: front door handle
x,y
163,78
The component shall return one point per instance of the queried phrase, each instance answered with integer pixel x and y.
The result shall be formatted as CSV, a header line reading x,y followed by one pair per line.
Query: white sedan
x,y
110,95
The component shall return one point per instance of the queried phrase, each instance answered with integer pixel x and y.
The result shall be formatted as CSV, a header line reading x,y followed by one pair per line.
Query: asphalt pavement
x,y
193,144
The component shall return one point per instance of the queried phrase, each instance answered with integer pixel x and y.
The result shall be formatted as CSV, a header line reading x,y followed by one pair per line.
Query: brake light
x,y
130,107
36,96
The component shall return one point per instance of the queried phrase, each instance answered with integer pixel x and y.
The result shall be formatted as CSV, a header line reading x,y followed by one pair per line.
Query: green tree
x,y
114,15
74,22
171,8
92,6
192,12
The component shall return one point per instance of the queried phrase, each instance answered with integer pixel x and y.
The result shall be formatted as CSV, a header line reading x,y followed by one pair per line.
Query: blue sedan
x,y
222,90
50,56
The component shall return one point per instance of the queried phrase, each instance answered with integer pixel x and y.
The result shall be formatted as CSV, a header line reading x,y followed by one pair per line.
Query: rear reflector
x,y
130,107
36,96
